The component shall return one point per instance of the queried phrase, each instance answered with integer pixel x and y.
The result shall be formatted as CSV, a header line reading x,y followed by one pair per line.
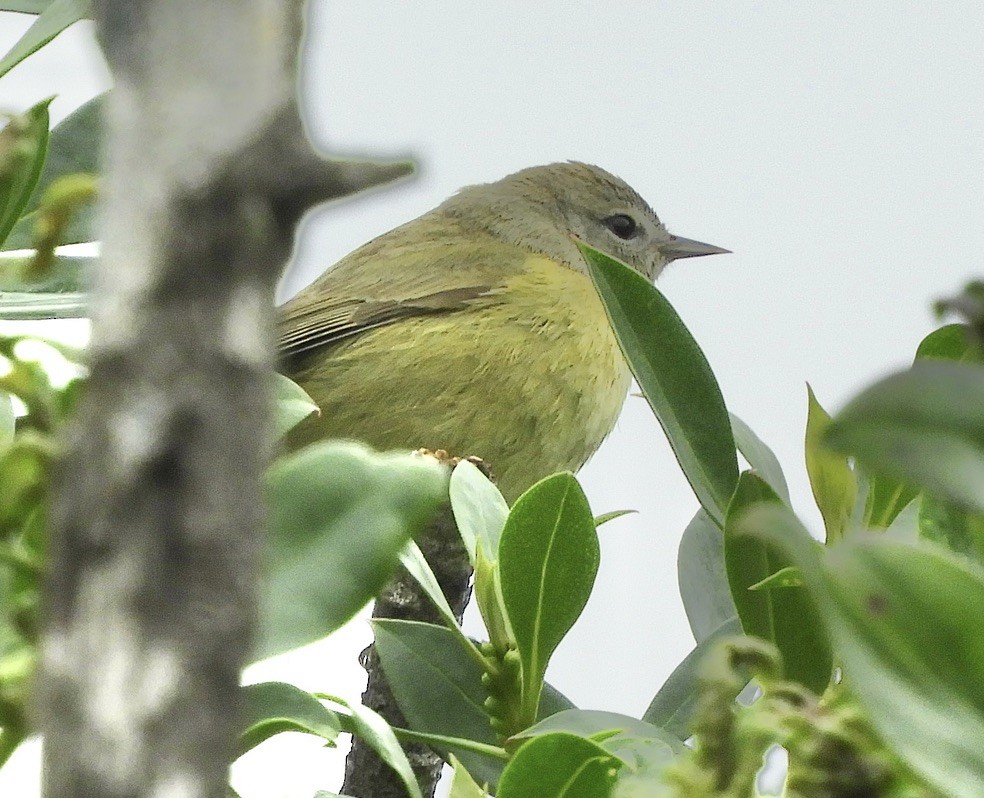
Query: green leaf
x,y
275,707
548,559
22,147
702,577
905,621
788,618
959,530
479,509
57,16
559,765
438,686
608,728
924,426
462,784
75,146
673,707
950,342
674,377
293,405
25,6
834,485
7,419
413,560
373,729
604,518
787,577
760,457
339,516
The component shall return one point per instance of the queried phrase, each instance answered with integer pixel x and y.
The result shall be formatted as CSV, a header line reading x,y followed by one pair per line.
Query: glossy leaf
x,y
905,621
702,577
559,765
57,16
74,146
834,485
275,707
438,686
760,457
925,426
674,377
673,707
293,405
479,509
23,143
788,617
548,559
339,516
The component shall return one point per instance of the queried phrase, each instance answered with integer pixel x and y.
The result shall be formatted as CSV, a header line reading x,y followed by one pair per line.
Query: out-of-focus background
x,y
837,148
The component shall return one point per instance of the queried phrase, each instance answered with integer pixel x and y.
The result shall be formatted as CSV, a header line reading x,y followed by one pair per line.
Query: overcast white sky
x,y
837,148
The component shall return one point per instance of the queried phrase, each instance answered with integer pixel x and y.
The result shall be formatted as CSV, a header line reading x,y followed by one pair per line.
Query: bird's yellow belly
x,y
532,383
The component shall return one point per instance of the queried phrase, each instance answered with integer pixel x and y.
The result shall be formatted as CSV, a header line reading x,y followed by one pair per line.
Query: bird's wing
x,y
384,282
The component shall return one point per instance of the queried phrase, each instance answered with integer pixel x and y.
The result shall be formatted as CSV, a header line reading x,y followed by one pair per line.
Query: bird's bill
x,y
678,247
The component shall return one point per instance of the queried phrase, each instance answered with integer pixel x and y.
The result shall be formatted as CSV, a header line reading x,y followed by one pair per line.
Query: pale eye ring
x,y
622,225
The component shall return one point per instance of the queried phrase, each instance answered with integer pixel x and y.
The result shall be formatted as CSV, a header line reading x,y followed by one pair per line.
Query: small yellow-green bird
x,y
475,328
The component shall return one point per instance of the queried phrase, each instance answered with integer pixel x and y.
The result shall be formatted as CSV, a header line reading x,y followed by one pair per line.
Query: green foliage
x,y
835,487
339,516
53,18
548,559
674,377
703,579
276,707
23,143
786,617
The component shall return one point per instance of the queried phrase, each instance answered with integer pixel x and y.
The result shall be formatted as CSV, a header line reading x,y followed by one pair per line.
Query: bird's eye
x,y
622,225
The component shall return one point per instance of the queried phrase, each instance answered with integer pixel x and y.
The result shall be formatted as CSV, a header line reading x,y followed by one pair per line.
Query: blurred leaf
x,y
788,617
924,426
950,342
548,559
339,516
25,6
55,17
559,765
674,377
834,485
293,405
22,147
438,686
275,707
75,146
887,497
673,707
760,457
7,417
961,531
906,624
374,730
479,509
24,475
702,577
